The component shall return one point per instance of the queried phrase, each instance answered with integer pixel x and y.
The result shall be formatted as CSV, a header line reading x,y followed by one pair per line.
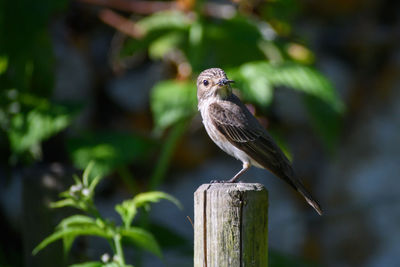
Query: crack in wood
x,y
205,227
241,202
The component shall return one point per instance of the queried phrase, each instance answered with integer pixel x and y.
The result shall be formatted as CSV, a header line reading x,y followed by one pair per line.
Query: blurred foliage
x,y
249,49
244,40
27,117
172,101
81,196
110,150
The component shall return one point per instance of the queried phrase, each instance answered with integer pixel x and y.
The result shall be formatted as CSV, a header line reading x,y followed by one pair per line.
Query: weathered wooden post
x,y
231,225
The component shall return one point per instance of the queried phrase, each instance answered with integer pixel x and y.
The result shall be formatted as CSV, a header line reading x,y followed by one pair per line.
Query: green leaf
x,y
88,264
259,77
256,80
142,239
76,221
165,44
164,20
92,230
94,183
108,150
163,31
86,173
3,64
172,101
153,197
128,208
127,211
67,244
114,264
64,203
28,130
77,180
254,84
99,264
308,80
223,43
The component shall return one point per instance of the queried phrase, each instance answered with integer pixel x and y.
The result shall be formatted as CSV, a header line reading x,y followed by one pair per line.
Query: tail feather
x,y
310,200
296,184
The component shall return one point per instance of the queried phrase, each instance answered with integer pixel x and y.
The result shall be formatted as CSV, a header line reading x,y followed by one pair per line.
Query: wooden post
x,y
231,225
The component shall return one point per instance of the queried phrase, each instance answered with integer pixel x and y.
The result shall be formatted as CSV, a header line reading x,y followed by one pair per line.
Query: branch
x,y
120,23
137,7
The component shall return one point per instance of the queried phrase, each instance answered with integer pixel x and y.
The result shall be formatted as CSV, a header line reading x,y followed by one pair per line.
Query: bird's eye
x,y
205,82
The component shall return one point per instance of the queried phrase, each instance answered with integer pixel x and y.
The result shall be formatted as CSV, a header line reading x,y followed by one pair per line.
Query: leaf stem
x,y
119,250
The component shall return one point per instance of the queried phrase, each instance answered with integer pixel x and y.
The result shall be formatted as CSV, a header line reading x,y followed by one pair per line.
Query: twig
x,y
120,23
216,10
138,7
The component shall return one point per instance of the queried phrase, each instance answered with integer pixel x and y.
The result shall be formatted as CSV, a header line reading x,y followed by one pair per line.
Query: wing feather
x,y
242,130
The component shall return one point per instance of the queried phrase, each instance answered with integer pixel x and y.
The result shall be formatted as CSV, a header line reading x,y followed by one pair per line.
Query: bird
x,y
235,130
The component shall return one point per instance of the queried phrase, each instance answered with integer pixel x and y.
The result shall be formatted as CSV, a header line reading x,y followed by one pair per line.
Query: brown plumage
x,y
236,131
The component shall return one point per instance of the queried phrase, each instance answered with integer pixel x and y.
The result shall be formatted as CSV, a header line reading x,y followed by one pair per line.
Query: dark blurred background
x,y
114,81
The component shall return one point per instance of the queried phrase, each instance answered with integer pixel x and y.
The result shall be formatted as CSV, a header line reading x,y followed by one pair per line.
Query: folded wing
x,y
243,131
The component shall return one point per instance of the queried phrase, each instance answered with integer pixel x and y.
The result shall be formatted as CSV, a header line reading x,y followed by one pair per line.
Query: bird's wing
x,y
243,131
247,134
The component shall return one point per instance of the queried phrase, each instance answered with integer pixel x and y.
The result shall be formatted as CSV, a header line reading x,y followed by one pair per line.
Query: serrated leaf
x,y
155,196
308,80
71,232
142,239
172,101
321,100
258,76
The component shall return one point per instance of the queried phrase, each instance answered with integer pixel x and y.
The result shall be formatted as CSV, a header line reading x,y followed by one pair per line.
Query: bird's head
x,y
213,83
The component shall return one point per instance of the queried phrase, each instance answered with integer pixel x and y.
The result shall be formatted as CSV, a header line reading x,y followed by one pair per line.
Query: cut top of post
x,y
231,187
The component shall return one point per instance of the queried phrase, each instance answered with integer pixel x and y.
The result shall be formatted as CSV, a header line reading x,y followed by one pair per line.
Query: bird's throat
x,y
224,92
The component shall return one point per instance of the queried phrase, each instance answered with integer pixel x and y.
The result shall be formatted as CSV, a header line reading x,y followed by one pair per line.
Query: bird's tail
x,y
310,200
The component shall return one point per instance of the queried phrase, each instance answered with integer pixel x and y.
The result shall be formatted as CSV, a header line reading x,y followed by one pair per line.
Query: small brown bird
x,y
237,132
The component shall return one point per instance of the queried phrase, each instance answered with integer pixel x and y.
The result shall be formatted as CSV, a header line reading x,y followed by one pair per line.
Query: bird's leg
x,y
246,166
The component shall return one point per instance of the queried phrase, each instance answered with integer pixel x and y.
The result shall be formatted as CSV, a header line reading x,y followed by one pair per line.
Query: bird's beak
x,y
224,81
